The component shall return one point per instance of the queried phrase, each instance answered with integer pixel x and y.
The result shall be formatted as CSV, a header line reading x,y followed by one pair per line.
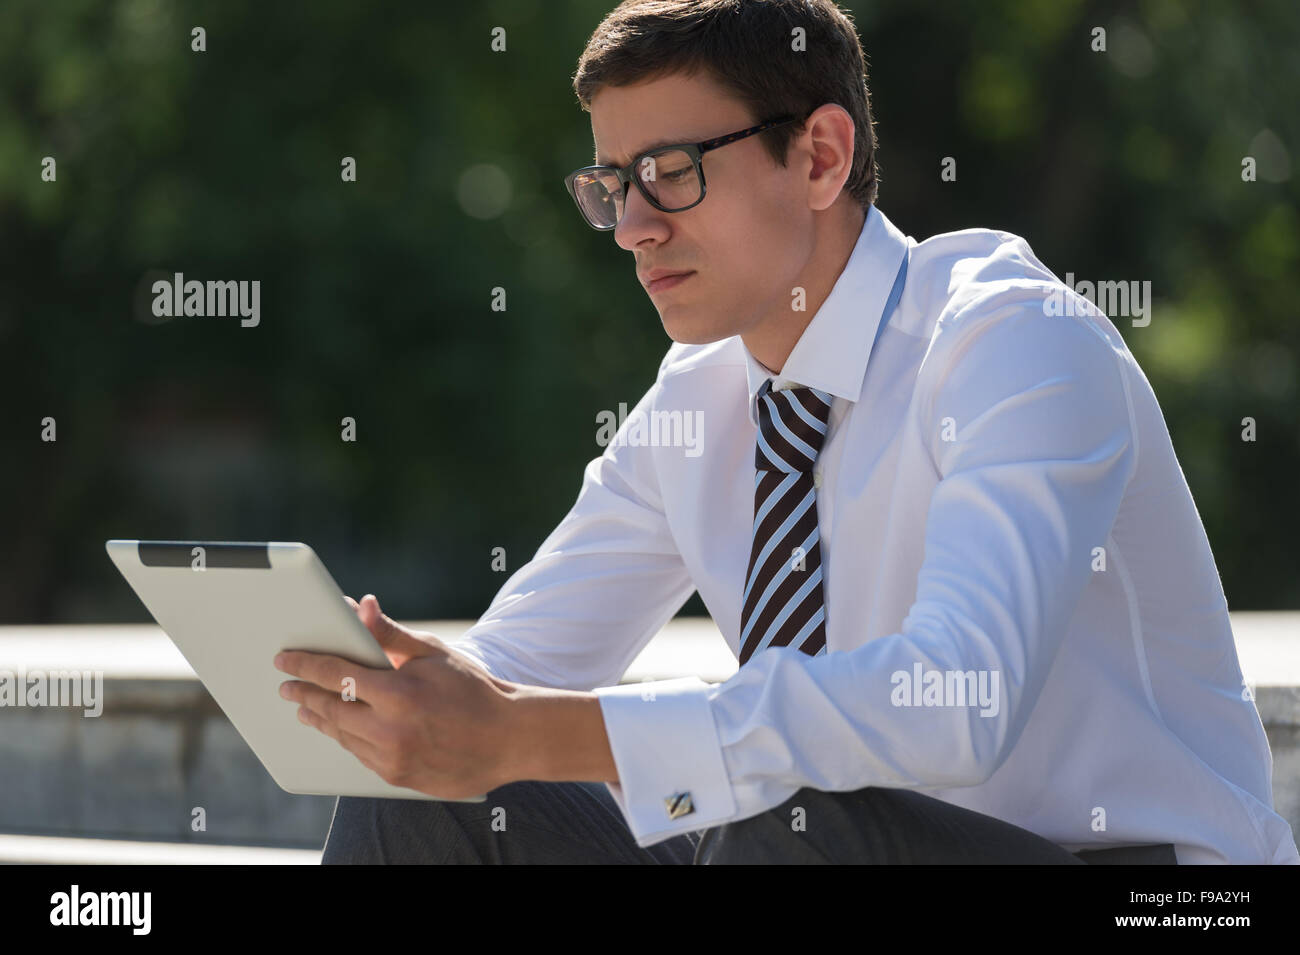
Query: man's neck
x,y
772,340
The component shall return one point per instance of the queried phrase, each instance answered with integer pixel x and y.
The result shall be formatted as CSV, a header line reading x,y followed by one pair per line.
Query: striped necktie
x,y
783,604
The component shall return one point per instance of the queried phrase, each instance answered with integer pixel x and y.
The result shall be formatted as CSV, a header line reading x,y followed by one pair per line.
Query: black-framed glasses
x,y
670,177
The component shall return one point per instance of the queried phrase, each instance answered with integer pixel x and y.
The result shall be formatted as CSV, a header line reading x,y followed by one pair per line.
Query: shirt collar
x,y
831,354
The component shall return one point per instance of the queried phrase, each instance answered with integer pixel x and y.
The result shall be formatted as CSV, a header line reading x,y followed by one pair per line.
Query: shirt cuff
x,y
672,778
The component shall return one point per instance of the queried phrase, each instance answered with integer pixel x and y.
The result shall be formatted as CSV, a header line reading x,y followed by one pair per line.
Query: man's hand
x,y
436,723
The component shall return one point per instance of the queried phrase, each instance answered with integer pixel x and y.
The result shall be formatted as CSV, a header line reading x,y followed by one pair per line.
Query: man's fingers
x,y
368,754
356,715
331,716
399,643
328,673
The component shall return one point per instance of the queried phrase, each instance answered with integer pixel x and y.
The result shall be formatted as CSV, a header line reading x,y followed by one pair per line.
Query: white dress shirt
x,y
997,496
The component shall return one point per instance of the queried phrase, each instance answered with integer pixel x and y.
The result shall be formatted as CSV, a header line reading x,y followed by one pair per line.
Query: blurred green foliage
x,y
473,425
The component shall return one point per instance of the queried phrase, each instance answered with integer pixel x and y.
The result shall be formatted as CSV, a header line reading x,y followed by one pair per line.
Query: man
x,y
939,522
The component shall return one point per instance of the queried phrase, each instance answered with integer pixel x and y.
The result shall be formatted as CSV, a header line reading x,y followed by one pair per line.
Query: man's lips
x,y
662,279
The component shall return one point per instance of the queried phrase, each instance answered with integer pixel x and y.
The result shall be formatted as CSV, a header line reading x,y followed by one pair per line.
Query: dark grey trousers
x,y
579,823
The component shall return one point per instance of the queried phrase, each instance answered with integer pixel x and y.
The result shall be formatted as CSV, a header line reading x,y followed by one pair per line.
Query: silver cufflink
x,y
679,804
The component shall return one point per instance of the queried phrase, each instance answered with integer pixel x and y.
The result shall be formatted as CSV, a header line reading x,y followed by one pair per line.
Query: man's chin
x,y
686,332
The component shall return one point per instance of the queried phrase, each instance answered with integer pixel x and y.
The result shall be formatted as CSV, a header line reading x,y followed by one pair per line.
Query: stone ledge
x,y
55,850
1268,644
163,747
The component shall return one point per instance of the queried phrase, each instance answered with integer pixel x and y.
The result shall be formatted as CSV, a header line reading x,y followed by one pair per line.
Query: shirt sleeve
x,y
1028,420
599,587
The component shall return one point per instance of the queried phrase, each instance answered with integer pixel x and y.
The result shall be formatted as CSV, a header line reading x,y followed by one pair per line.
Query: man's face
x,y
744,244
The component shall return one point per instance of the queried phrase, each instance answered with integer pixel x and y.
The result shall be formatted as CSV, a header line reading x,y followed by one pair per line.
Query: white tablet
x,y
230,607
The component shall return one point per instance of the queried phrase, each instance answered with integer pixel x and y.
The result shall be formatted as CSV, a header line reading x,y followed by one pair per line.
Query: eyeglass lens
x,y
669,176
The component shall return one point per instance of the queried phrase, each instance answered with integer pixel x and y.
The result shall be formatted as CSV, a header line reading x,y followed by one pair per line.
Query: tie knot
x,y
791,428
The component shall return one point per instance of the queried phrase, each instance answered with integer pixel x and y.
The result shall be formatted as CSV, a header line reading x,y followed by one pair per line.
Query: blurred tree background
x,y
473,425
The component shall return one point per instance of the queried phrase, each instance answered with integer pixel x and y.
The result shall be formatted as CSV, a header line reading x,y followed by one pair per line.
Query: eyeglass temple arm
x,y
753,130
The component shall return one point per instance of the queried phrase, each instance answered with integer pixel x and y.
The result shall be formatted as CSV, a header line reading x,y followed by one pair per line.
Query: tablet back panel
x,y
229,609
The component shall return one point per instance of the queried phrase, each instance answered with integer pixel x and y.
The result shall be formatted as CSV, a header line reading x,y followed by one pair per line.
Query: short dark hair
x,y
747,47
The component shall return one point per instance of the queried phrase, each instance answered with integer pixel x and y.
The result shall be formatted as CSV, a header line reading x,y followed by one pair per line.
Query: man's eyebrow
x,y
658,144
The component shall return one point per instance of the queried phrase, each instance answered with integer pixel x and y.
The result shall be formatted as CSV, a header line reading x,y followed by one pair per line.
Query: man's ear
x,y
831,139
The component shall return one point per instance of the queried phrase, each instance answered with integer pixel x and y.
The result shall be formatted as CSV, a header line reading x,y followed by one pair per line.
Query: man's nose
x,y
639,219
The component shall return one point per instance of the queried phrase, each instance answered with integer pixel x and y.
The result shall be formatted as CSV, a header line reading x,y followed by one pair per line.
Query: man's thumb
x,y
397,642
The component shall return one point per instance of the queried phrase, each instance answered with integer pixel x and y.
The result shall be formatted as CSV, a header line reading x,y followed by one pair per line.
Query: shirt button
x,y
817,478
